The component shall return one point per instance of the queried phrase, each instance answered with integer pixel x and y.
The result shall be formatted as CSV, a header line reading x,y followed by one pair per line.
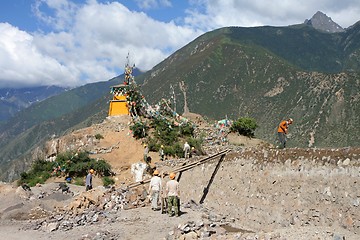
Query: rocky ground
x,y
258,192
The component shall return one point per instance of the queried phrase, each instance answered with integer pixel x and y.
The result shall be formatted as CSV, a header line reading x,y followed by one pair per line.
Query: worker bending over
x,y
283,130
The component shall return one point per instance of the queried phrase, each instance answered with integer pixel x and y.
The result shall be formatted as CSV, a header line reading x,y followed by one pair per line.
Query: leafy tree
x,y
244,126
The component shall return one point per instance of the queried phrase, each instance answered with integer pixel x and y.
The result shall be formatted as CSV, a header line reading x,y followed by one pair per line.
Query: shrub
x,y
71,164
39,172
139,130
102,168
79,181
152,144
107,181
174,150
165,133
187,130
195,142
244,126
98,136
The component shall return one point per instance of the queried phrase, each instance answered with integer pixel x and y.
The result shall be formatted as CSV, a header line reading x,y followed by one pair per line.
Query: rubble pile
x,y
92,207
101,235
214,226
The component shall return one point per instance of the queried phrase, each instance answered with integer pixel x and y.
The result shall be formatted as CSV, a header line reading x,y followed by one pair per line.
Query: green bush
x,y
164,132
187,130
102,168
152,144
71,164
79,181
244,126
174,150
39,172
168,134
98,136
107,181
195,142
139,130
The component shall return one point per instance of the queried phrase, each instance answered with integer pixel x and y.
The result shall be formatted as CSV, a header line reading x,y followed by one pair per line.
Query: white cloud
x,y
220,13
89,45
22,64
148,4
64,10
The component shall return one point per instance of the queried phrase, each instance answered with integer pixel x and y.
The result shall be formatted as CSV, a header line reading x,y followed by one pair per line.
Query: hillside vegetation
x,y
261,73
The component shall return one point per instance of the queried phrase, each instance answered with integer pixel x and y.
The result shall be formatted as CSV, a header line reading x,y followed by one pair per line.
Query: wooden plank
x,y
206,189
184,168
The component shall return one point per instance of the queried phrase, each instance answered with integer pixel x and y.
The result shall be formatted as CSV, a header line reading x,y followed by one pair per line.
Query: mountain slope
x,y
233,72
14,100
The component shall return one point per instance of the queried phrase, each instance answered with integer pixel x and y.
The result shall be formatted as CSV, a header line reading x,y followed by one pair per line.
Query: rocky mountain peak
x,y
322,22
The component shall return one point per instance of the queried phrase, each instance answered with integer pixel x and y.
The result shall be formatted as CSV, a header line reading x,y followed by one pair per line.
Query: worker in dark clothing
x,y
88,180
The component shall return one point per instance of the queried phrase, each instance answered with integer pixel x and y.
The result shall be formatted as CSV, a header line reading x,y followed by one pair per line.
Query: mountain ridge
x,y
322,22
14,100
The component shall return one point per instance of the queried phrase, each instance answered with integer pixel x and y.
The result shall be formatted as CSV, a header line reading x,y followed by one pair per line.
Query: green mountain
x,y
268,73
14,100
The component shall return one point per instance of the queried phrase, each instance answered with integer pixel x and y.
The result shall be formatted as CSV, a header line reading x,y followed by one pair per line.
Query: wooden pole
x,y
184,168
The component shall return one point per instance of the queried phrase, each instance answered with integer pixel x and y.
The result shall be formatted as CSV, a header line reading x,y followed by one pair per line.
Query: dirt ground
x,y
257,192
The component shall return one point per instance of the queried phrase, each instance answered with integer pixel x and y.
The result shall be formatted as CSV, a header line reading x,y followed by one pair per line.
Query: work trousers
x,y
154,199
282,139
187,153
173,202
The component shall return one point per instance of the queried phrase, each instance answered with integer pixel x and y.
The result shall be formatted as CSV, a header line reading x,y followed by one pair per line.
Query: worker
x,y
154,190
88,180
283,130
64,187
161,152
146,152
194,152
186,150
173,194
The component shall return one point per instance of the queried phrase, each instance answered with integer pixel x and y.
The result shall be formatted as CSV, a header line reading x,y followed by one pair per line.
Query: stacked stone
x,y
92,207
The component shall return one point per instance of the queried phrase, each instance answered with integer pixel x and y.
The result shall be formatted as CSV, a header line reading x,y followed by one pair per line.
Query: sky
x,y
73,42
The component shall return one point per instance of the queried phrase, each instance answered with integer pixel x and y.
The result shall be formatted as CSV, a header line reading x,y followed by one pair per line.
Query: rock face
x,y
271,189
324,23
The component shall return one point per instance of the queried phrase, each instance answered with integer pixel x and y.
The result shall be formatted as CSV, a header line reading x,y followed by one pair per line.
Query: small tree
x,y
244,126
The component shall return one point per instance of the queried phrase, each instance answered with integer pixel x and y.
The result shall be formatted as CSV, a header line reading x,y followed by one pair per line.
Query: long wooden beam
x,y
184,168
